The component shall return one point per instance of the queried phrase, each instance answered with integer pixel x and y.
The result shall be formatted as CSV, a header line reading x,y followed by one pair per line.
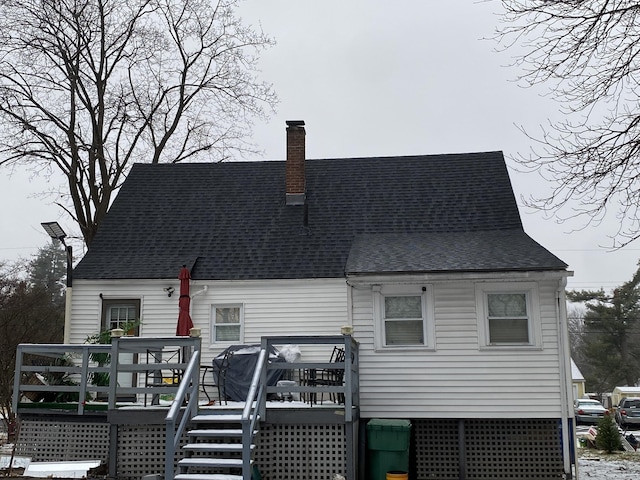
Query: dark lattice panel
x,y
436,449
494,449
513,449
310,452
141,451
48,441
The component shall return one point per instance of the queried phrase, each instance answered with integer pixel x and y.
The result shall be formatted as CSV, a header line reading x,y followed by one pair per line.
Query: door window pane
x,y
119,316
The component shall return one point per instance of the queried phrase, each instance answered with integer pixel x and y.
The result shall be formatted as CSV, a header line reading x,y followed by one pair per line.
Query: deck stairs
x,y
215,447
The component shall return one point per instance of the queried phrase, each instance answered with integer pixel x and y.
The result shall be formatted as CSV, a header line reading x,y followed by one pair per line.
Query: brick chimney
x,y
295,193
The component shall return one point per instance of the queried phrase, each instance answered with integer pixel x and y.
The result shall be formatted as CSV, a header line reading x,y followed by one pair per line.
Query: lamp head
x,y
54,230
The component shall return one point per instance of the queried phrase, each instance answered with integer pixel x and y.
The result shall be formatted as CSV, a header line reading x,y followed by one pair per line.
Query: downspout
x,y
565,376
350,306
204,289
195,294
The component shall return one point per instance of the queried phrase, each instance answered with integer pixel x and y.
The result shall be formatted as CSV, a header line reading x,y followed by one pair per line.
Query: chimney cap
x,y
295,123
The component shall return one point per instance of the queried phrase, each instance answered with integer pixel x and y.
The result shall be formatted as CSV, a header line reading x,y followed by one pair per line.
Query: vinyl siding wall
x,y
300,307
458,379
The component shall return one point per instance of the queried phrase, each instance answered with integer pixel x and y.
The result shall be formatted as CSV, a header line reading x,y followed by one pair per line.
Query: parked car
x,y
628,412
588,411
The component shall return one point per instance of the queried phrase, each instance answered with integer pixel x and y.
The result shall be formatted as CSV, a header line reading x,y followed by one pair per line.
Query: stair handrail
x,y
189,384
249,417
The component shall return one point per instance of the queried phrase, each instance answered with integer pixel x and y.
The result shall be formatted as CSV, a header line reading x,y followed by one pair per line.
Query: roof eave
x,y
458,275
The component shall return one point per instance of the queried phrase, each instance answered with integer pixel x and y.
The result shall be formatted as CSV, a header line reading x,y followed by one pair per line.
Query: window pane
x,y
227,333
508,330
406,332
227,315
403,307
120,315
507,304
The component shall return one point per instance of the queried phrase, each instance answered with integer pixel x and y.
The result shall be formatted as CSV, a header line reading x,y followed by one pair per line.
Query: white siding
x,y
456,380
459,379
300,307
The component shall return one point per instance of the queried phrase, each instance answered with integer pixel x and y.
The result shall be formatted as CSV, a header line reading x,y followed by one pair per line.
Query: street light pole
x,y
55,232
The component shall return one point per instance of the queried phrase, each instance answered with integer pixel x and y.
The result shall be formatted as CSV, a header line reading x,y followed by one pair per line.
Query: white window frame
x,y
214,309
530,290
428,323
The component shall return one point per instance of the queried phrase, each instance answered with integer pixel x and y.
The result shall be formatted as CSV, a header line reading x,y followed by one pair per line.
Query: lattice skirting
x,y
55,441
528,449
440,448
141,451
310,452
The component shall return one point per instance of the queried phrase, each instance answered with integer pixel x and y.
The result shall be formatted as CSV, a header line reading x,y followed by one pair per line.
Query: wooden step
x,y
206,476
236,432
211,462
215,447
218,418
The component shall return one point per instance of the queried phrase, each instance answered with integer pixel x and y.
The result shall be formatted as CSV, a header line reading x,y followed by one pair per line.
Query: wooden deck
x,y
38,371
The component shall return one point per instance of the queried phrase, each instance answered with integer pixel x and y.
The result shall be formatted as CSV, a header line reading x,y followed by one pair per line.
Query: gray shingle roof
x,y
229,220
480,251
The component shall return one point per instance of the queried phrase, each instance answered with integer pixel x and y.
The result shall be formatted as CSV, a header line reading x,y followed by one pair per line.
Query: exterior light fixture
x,y
55,231
169,291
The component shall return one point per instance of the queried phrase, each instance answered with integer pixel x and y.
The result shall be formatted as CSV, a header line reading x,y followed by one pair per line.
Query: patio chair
x,y
220,369
329,377
162,377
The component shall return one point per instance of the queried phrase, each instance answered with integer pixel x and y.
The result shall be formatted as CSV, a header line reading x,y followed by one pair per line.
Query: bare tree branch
x,y
588,54
89,87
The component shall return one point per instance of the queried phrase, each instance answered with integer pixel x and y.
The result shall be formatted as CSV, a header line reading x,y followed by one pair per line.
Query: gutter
x,y
565,378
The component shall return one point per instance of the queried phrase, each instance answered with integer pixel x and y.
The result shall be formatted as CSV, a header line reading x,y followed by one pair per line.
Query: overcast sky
x,y
379,78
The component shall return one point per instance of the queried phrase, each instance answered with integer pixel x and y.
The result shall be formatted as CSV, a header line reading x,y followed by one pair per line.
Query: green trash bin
x,y
388,444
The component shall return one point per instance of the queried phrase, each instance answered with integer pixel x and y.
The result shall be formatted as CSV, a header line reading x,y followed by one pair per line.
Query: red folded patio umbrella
x,y
184,319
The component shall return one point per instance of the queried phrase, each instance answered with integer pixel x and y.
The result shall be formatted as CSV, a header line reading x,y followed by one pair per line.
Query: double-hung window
x,y
508,315
404,316
508,318
227,324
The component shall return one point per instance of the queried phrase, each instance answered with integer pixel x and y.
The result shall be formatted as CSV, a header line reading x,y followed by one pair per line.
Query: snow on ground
x,y
595,466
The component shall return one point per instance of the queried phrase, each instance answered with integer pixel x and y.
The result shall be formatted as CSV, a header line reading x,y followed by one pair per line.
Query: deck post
x,y
113,450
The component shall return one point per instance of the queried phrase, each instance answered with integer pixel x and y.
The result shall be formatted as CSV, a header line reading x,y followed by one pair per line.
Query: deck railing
x,y
55,372
347,389
129,368
187,392
139,367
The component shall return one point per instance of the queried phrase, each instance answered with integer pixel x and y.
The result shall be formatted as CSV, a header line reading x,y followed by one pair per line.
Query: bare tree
x,y
88,87
575,320
587,53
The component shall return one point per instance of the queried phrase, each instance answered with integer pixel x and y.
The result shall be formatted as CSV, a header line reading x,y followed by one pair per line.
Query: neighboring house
x,y
460,315
623,391
577,379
